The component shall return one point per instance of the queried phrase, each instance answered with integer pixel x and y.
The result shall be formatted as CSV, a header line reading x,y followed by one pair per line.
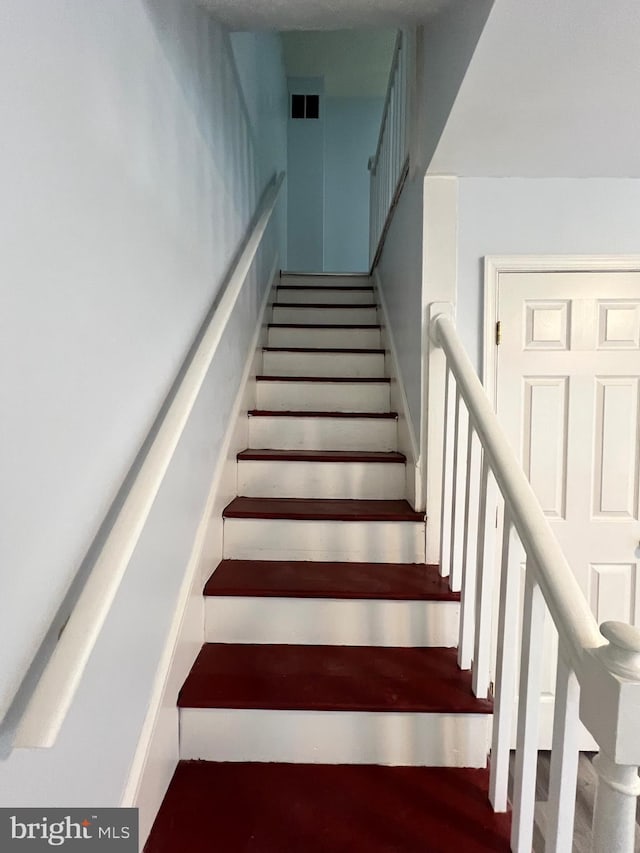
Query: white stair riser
x,y
291,539
329,280
373,480
330,621
323,433
325,338
332,316
323,364
335,737
323,396
344,296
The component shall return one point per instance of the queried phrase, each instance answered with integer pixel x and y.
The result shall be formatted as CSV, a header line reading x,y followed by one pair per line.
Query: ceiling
x,y
353,63
320,14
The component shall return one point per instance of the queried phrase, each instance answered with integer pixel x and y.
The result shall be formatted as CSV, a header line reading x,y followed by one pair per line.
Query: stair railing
x,y
389,165
598,669
48,706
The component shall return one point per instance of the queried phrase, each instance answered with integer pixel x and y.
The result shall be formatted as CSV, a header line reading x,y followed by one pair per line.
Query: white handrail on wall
x,y
388,166
59,681
598,682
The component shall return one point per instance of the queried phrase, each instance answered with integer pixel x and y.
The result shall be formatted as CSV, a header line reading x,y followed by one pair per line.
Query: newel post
x,y
612,713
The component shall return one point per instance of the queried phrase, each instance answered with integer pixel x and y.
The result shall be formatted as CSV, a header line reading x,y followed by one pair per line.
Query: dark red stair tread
x,y
334,305
325,350
319,808
266,413
310,579
322,509
330,678
322,456
337,287
350,379
323,326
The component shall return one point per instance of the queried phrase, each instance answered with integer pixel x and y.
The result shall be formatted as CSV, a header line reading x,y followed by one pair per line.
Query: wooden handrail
x,y
598,669
564,597
54,692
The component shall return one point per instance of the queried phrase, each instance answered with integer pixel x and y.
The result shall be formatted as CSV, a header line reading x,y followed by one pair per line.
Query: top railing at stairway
x,y
388,166
54,692
598,669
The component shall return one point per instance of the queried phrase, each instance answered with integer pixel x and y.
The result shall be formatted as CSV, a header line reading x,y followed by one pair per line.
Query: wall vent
x,y
305,106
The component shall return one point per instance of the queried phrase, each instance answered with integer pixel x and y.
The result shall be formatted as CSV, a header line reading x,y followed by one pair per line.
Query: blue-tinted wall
x,y
350,137
305,182
328,181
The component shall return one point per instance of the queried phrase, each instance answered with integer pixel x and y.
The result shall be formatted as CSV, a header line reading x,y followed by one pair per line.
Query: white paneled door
x,y
568,374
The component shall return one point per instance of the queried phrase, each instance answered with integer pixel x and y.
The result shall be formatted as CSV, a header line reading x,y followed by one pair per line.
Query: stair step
x,y
322,456
336,315
355,604
331,380
266,413
324,336
323,430
303,294
288,808
391,581
329,287
315,393
322,510
331,306
340,327
321,474
379,531
325,280
332,704
316,362
334,350
330,678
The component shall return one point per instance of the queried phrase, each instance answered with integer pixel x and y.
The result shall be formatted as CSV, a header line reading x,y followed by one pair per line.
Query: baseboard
x,y
407,442
157,753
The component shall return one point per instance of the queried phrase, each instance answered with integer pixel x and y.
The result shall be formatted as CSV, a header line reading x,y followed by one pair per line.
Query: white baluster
x,y
505,665
446,510
460,436
387,182
485,572
528,712
469,545
392,132
372,212
564,761
402,87
384,172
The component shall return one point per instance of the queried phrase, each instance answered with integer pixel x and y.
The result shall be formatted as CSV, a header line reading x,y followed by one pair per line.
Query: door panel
x,y
544,440
568,371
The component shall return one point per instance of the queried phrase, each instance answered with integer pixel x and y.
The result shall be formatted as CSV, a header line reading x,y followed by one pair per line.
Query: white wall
x,y
551,91
130,171
351,133
519,216
400,271
441,52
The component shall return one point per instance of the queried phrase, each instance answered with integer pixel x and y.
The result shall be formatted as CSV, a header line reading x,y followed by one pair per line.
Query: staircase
x,y
326,711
